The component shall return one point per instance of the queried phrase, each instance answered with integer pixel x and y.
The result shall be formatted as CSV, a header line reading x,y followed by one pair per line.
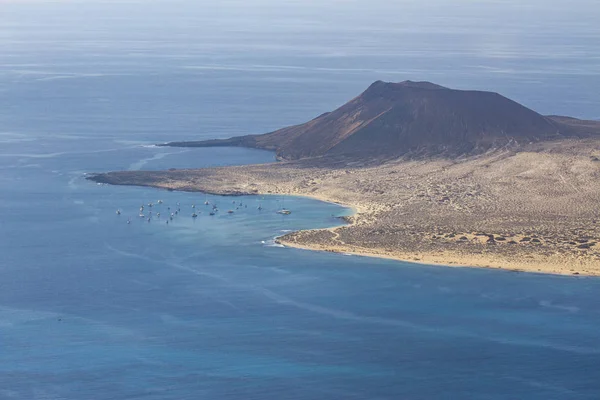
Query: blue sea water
x,y
94,308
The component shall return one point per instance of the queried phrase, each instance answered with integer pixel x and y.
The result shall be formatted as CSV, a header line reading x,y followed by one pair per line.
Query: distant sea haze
x,y
93,307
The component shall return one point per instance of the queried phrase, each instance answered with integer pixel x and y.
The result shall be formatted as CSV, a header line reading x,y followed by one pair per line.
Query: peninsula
x,y
435,175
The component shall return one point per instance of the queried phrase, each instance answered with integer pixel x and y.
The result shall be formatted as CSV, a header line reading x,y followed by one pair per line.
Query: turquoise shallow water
x,y
94,308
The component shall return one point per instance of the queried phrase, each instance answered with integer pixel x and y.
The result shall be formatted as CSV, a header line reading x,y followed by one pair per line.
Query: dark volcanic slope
x,y
392,119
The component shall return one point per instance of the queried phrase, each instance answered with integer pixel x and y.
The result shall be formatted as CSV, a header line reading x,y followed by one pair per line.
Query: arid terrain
x,y
535,210
435,175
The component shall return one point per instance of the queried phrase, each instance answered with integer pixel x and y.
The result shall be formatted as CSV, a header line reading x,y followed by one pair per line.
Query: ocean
x,y
93,307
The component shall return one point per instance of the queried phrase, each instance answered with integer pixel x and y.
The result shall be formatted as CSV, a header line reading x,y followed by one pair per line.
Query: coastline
x,y
444,260
531,211
444,257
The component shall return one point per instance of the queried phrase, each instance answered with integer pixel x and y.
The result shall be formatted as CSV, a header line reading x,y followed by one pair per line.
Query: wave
x,y
58,154
16,166
271,243
62,76
136,166
549,304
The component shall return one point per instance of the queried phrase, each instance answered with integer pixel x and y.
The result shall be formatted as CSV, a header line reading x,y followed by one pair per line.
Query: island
x,y
435,175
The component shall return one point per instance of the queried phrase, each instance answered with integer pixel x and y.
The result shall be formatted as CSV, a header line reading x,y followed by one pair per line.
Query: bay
x,y
94,308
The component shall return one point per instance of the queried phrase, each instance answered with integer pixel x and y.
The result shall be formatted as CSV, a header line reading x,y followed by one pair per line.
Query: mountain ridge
x,y
389,120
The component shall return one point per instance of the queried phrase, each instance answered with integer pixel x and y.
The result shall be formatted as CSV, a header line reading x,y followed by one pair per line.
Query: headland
x,y
435,175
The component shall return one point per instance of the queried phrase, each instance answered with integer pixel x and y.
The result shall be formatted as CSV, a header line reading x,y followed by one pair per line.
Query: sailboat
x,y
283,211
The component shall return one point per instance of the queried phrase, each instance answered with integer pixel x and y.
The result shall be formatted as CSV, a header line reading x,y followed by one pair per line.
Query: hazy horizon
x,y
522,51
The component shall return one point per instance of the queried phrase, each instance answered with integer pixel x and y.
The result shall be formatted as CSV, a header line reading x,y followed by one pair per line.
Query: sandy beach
x,y
449,258
535,211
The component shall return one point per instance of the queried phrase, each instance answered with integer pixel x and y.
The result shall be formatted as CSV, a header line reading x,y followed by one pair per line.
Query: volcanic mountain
x,y
417,118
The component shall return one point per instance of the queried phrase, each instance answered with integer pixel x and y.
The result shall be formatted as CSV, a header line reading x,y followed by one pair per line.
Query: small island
x,y
435,175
